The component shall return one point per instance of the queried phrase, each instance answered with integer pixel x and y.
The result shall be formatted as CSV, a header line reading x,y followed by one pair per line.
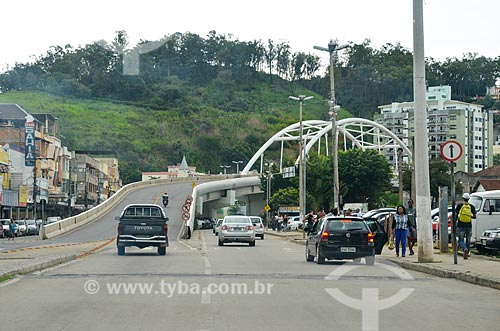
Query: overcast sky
x,y
452,27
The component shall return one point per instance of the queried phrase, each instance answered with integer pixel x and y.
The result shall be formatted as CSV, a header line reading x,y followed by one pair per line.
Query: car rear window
x,y
236,220
346,224
255,221
143,211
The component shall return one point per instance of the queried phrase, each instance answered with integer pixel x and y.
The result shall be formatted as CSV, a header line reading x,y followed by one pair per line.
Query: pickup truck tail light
x,y
370,238
165,228
120,228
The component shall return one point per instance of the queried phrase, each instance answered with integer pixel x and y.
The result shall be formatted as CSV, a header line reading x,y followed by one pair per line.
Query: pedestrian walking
x,y
465,213
285,222
280,223
412,220
13,229
309,222
400,226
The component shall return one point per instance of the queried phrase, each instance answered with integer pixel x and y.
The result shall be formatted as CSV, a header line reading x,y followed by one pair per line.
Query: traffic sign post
x,y
451,151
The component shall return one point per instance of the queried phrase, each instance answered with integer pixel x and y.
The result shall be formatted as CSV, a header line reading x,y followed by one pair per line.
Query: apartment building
x,y
55,181
447,119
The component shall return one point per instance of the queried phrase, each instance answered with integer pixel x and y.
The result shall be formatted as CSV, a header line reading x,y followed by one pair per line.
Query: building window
x,y
453,136
453,117
453,127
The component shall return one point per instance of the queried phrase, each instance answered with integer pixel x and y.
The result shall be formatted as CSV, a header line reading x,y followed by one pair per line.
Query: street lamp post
x,y
225,167
332,48
302,205
237,166
269,178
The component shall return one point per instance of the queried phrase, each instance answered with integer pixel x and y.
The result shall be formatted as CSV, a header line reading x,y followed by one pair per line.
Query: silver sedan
x,y
237,229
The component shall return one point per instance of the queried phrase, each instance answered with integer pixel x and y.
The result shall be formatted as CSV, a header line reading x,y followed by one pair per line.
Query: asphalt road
x,y
201,286
105,227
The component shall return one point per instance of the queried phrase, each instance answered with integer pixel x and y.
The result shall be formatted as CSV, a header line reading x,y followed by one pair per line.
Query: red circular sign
x,y
451,150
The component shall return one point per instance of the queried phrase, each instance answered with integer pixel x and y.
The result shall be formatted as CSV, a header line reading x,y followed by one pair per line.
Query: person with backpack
x,y
465,213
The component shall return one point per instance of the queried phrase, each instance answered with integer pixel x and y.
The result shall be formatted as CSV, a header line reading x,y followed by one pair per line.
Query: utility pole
x,y
400,174
34,191
333,112
302,206
423,200
69,189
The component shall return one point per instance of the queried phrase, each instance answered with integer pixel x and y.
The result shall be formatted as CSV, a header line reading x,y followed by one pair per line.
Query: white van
x,y
487,206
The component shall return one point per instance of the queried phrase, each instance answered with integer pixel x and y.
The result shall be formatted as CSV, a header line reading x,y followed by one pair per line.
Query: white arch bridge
x,y
360,132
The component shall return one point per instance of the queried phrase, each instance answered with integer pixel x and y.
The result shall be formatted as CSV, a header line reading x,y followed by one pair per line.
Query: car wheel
x,y
357,260
221,243
121,250
481,249
320,259
370,260
162,250
252,243
262,237
309,257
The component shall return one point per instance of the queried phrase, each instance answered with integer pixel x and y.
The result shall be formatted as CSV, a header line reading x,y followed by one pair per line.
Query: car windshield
x,y
346,225
476,202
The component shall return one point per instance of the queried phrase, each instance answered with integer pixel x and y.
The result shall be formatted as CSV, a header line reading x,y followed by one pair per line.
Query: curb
x,y
38,266
468,277
53,261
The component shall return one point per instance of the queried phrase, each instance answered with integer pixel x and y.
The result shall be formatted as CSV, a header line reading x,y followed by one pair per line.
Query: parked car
x,y
31,227
487,205
379,215
258,226
5,227
237,229
490,241
435,226
21,227
52,219
217,226
205,223
295,223
344,237
372,212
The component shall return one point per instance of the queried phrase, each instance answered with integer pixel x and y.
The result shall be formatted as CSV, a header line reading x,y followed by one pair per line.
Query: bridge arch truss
x,y
357,133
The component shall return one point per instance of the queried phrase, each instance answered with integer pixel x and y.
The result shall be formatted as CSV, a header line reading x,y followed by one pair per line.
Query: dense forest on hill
x,y
195,95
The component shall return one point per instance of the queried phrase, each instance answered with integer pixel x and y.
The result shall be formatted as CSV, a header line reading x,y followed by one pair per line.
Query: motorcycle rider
x,y
165,199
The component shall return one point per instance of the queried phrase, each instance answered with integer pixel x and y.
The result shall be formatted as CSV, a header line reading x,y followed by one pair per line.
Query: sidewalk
x,y
25,260
478,269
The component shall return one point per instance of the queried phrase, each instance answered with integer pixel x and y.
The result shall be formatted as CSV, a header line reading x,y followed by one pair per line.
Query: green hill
x,y
146,139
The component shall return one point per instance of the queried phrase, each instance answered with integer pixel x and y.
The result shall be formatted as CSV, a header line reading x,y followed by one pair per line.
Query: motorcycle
x,y
165,201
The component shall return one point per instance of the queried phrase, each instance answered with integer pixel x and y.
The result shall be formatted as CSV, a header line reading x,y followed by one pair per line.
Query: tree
x,y
366,174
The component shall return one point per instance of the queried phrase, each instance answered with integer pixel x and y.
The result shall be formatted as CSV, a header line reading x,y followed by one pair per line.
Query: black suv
x,y
346,237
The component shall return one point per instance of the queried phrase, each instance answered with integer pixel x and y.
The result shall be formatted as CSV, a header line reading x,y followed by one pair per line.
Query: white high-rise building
x,y
468,124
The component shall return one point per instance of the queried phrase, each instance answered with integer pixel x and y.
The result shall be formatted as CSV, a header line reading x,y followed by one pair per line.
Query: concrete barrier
x,y
55,229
